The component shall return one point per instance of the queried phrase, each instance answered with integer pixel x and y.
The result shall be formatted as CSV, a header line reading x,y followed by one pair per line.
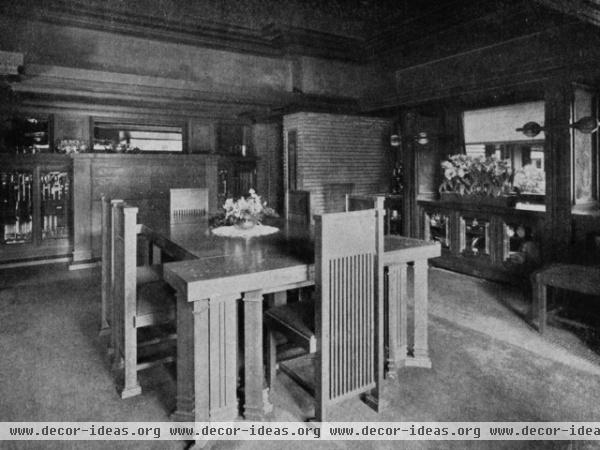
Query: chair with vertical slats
x,y
298,207
144,273
356,202
188,205
343,329
334,196
143,314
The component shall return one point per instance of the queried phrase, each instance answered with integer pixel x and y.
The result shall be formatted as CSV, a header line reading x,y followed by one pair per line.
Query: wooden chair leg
x,y
539,305
131,386
271,358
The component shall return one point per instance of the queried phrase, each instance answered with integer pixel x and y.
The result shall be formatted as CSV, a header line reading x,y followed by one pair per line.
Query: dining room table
x,y
221,283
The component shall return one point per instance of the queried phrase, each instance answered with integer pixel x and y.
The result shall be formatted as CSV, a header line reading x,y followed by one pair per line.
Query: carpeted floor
x,y
488,365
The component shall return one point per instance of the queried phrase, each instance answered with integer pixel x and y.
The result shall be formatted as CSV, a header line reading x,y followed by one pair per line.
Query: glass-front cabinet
x,y
35,206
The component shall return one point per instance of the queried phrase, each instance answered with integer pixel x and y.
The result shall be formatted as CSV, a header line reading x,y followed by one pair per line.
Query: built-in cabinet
x,y
236,176
492,242
35,206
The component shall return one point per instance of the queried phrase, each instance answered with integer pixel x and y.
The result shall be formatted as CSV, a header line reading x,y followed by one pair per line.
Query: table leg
x,y
397,317
255,406
192,325
222,367
421,347
540,292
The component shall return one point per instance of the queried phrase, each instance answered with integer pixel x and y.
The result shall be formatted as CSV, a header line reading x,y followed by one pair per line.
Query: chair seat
x,y
155,304
296,321
148,274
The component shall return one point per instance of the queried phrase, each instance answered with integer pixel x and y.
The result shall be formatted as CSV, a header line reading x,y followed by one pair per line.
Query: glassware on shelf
x,y
54,187
16,206
475,236
437,224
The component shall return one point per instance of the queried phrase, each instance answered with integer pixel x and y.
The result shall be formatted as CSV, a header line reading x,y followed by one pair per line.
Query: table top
x,y
218,265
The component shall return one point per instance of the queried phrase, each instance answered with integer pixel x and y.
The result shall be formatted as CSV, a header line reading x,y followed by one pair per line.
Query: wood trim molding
x,y
273,41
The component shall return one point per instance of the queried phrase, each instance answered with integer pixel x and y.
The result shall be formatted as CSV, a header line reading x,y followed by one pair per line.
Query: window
x,y
128,137
492,132
585,163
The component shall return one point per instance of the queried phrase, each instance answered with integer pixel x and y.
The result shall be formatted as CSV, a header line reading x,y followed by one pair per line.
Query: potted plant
x,y
477,179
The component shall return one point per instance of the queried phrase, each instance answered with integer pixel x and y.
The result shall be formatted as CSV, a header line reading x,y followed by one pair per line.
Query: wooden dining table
x,y
212,275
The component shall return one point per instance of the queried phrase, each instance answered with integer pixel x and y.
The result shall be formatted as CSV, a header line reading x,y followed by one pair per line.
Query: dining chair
x,y
145,272
334,195
298,207
143,312
188,205
343,328
356,202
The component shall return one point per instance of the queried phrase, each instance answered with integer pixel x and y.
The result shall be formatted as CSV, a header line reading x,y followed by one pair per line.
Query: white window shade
x,y
499,124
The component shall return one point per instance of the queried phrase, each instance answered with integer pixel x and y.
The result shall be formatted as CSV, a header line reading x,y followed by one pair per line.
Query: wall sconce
x,y
421,138
585,125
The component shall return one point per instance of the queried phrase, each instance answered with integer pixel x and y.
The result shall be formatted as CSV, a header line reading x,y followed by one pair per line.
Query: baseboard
x,y
34,262
84,265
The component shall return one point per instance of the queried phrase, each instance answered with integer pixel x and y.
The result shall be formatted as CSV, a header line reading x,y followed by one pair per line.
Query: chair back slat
x,y
188,205
298,207
348,277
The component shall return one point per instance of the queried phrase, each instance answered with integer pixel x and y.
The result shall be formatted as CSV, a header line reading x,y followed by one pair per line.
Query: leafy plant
x,y
245,209
476,175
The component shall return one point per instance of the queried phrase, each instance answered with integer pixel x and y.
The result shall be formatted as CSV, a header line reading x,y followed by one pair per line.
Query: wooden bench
x,y
572,277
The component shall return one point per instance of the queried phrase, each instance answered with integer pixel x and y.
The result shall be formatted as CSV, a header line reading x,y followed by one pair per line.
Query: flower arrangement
x,y
530,180
476,175
249,210
69,146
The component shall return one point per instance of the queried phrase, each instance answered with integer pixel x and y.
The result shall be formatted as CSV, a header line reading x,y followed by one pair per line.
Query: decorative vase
x,y
245,224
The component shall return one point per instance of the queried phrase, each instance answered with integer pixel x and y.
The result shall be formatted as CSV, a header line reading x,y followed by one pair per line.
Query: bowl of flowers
x,y
246,212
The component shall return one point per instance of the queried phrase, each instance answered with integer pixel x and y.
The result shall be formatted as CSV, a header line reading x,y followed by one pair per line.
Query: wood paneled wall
x,y
339,149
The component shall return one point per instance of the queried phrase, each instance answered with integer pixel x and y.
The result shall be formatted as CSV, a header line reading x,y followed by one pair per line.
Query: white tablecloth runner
x,y
257,230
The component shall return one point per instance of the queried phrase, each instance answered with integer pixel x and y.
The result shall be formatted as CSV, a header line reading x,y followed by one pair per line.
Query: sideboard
x,y
493,242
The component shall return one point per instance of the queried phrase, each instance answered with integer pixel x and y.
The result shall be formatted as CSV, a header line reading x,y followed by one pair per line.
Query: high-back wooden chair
x,y
346,329
334,195
144,273
137,306
355,202
188,205
298,207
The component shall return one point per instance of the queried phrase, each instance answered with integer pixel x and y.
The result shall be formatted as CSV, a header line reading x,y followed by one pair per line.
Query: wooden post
x,y
192,325
131,386
254,407
222,365
106,266
397,317
421,347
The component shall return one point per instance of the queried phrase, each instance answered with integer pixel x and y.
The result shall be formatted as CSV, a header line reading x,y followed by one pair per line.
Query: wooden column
x,y
397,317
421,295
400,354
557,148
192,325
222,365
82,210
254,405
